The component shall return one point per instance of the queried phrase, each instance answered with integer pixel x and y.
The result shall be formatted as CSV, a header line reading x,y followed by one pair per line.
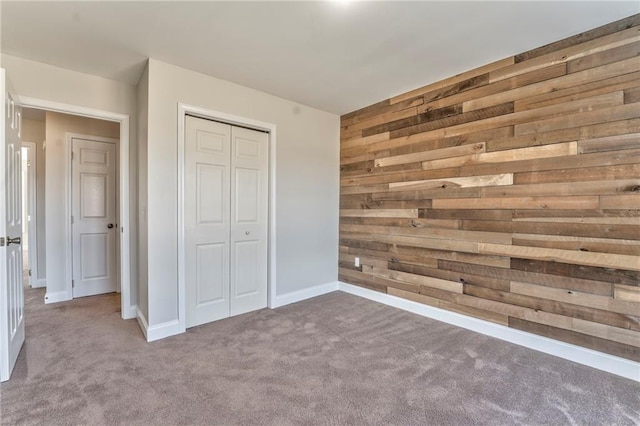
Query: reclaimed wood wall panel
x,y
509,193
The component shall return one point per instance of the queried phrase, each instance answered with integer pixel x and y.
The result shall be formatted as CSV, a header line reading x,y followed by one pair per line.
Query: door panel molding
x,y
183,111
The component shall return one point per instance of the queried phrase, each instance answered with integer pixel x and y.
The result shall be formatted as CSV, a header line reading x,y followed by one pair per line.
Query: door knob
x,y
15,240
110,225
246,232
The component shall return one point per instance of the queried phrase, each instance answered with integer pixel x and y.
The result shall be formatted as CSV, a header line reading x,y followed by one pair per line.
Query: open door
x,y
11,291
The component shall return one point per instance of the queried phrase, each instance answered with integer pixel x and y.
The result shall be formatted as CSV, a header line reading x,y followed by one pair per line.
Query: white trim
x,y
58,296
305,293
183,110
162,330
142,321
68,205
124,214
32,223
605,362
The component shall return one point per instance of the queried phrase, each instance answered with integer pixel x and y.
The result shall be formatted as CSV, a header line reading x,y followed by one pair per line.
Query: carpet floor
x,y
332,360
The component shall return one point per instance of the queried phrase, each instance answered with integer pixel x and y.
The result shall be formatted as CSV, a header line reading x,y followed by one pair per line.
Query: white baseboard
x,y
601,361
57,296
130,313
162,330
142,321
38,283
307,293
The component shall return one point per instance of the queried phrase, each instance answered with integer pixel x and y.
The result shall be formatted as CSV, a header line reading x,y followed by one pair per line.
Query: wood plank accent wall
x,y
509,193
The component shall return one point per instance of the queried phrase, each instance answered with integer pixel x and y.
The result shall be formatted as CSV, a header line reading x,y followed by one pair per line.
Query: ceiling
x,y
335,56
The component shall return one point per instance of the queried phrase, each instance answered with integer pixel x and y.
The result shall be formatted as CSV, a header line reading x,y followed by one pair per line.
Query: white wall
x,y
41,81
34,131
57,125
143,118
307,181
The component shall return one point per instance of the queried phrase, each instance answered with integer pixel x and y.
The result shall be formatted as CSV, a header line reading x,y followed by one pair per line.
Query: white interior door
x,y
226,208
94,227
207,211
11,290
249,210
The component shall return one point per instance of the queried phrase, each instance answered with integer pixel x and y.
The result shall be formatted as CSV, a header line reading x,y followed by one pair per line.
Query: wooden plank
x,y
575,338
627,293
430,257
362,141
576,298
571,80
605,57
629,322
600,245
629,36
544,151
465,278
621,127
386,110
622,112
464,182
548,280
610,143
587,173
420,280
437,303
605,260
585,36
438,233
613,276
587,90
453,120
431,155
412,120
564,189
632,95
627,201
579,202
379,213
453,80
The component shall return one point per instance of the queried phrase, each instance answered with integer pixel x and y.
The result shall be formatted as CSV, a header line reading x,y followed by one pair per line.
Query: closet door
x,y
207,220
249,215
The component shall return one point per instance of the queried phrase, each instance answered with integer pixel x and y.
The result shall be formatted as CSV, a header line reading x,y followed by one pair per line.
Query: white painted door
x,y
94,227
11,290
207,210
249,199
226,190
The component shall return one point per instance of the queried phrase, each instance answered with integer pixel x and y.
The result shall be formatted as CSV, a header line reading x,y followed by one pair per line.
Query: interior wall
x,y
306,181
34,131
41,81
56,127
508,193
143,129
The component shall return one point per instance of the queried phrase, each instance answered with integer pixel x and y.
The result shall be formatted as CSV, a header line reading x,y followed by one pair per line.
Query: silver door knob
x,y
15,240
246,232
110,225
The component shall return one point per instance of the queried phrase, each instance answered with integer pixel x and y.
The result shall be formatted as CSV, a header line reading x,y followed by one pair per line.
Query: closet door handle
x,y
246,232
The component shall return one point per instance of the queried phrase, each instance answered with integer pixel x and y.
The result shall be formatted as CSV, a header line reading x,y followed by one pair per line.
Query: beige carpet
x,y
333,360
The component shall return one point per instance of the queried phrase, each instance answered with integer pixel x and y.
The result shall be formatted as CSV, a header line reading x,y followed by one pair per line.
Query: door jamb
x,y
128,310
32,224
68,205
183,111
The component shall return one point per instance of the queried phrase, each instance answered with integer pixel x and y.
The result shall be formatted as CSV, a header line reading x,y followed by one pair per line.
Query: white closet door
x,y
207,211
249,210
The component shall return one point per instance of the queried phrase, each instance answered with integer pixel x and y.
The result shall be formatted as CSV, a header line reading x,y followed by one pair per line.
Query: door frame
x,y
32,224
234,120
68,205
128,310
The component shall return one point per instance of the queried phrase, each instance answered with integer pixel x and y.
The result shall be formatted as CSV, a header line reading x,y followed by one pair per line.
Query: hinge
x,y
72,155
72,220
1,241
73,283
29,272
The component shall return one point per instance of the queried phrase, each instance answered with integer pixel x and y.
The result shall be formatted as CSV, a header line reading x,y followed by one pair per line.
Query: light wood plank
x,y
431,155
379,213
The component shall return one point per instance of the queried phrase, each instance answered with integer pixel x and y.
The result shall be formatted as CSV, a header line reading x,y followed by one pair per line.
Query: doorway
x,y
58,242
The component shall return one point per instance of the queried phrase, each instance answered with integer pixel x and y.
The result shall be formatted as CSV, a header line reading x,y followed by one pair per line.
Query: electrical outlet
x,y
356,262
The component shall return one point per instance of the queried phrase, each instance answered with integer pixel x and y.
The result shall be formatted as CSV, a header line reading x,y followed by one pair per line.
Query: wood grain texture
x,y
510,193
